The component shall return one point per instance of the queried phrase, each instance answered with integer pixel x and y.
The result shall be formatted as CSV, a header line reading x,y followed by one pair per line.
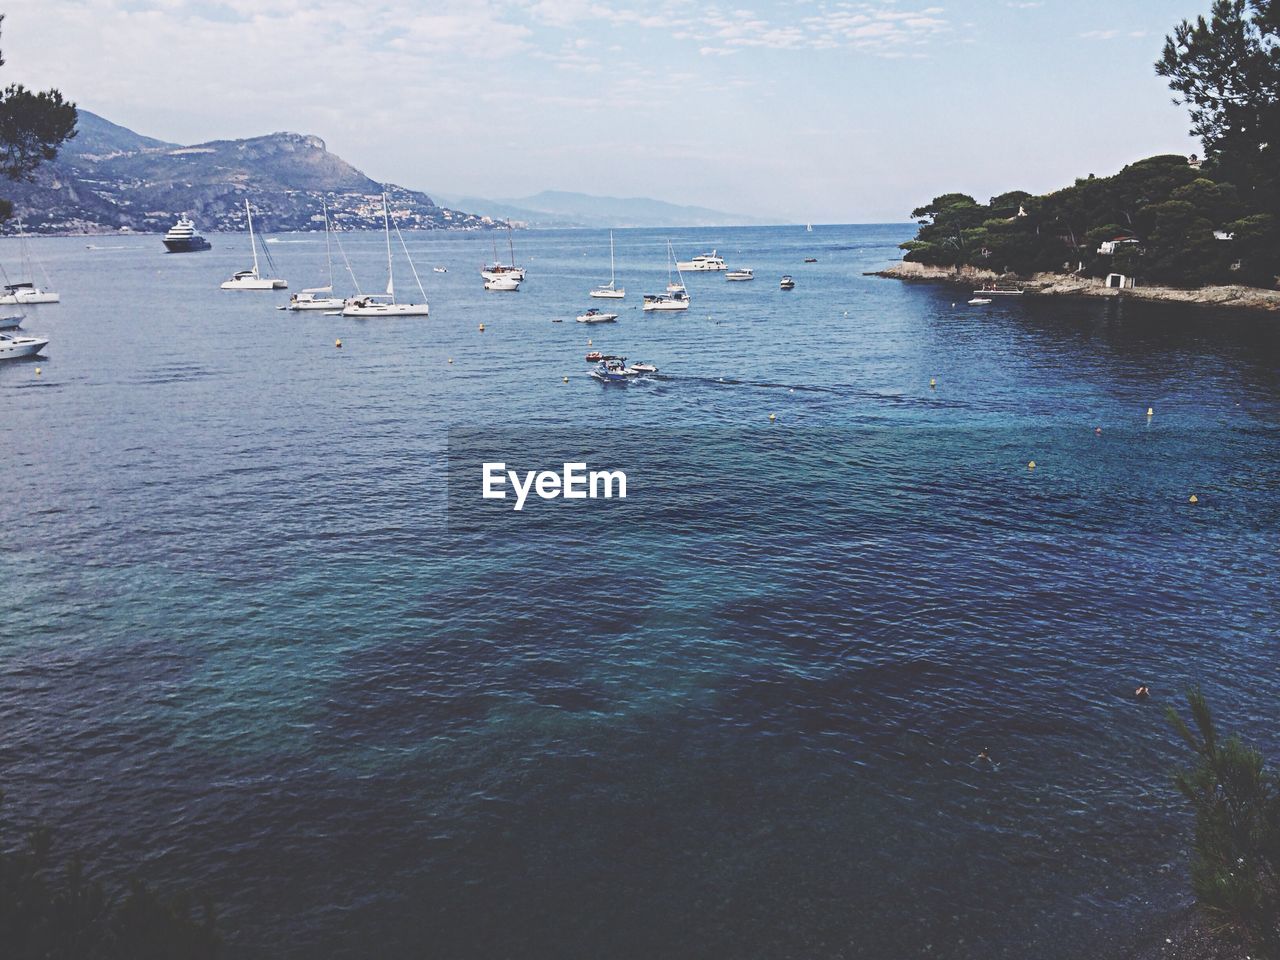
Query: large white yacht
x,y
704,261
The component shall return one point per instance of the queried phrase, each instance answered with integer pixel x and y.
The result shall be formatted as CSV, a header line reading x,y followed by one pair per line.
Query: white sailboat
x,y
501,270
319,298
385,305
676,297
608,291
26,291
253,279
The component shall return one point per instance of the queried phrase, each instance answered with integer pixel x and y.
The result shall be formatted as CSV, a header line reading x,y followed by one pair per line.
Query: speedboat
x,y
440,269
11,322
786,283
314,299
596,316
12,347
382,305
704,261
504,281
979,301
666,301
740,274
182,237
613,370
27,292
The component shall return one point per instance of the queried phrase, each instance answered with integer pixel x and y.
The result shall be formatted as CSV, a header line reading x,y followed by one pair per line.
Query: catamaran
x,y
253,279
25,291
385,305
607,291
676,297
319,298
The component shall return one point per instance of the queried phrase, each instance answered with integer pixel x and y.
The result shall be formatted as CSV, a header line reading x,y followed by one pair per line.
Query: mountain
x,y
558,208
109,178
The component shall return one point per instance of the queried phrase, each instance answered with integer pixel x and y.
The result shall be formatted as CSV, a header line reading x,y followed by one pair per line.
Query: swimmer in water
x,y
1143,692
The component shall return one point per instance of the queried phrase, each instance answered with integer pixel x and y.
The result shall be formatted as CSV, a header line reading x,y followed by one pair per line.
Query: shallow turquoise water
x,y
260,638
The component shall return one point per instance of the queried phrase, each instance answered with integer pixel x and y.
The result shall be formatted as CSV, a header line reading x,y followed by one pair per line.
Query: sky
x,y
825,111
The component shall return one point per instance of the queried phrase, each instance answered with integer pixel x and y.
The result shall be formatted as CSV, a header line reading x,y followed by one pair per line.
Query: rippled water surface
x,y
260,638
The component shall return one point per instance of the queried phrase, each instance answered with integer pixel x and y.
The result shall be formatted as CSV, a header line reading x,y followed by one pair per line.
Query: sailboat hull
x,y
385,310
608,294
38,296
254,283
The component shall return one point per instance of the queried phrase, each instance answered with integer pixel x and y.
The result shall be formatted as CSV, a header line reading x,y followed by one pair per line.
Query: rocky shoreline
x,y
1058,284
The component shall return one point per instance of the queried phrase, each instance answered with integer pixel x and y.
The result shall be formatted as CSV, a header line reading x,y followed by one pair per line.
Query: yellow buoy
x,y
1193,499
1031,464
566,379
37,371
933,381
1151,411
588,341
338,343
772,417
482,328
451,359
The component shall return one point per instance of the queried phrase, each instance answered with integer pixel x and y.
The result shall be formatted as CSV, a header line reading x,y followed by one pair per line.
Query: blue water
x,y
259,637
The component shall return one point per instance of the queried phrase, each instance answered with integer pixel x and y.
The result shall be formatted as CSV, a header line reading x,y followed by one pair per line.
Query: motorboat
x,y
740,274
979,301
440,269
703,262
609,291
182,237
11,322
253,279
508,281
642,368
11,347
810,259
385,304
786,283
613,370
597,316
27,292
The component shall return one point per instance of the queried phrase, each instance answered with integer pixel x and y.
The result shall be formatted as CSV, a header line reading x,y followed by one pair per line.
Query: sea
x,y
842,676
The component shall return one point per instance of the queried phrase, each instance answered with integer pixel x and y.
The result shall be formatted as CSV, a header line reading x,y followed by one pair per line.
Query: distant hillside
x,y
558,208
110,178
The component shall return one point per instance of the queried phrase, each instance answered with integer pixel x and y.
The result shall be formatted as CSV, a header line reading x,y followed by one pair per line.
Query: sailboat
x,y
676,297
26,291
808,228
319,298
385,305
253,279
607,291
501,270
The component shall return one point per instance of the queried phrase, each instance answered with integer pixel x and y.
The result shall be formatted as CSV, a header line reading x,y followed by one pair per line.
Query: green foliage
x,y
1235,865
32,128
51,911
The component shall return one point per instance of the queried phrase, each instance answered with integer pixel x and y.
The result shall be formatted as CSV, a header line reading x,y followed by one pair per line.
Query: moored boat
x,y
252,279
597,316
609,291
385,304
11,347
741,273
703,262
182,237
786,283
12,322
676,297
508,281
27,292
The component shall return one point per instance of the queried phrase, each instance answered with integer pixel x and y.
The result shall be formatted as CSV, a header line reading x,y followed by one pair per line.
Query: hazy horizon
x,y
799,110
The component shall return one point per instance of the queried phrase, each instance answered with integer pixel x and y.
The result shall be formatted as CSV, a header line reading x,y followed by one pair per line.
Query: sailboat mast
x,y
386,227
253,244
328,245
611,271
511,244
